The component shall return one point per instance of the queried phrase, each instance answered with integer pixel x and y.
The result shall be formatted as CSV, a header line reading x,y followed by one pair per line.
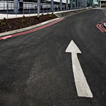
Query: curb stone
x,y
37,25
27,28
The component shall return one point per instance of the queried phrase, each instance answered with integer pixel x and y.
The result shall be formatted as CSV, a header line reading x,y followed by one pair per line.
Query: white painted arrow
x,y
82,87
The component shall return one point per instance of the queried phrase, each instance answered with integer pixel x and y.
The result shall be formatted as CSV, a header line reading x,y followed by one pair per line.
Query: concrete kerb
x,y
70,12
27,28
38,25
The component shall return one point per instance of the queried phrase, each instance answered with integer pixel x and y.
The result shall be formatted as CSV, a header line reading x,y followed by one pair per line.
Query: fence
x,y
4,5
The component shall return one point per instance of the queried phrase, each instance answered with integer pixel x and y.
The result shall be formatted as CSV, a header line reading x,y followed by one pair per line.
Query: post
x,y
80,3
66,4
52,5
85,3
38,8
100,3
75,3
15,6
7,8
29,7
60,5
71,4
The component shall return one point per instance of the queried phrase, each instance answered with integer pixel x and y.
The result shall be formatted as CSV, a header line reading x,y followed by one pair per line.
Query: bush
x,y
2,24
23,21
50,15
4,19
23,16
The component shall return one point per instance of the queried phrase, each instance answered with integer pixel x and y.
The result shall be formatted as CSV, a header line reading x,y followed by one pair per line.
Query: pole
x,y
29,7
100,3
71,4
66,4
60,5
52,5
15,6
38,8
7,8
80,3
75,3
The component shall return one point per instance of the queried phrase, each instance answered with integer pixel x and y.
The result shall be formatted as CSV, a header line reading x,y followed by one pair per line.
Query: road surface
x,y
36,70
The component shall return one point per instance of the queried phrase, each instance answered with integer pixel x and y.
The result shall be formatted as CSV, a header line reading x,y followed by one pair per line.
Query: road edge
x,y
41,26
27,28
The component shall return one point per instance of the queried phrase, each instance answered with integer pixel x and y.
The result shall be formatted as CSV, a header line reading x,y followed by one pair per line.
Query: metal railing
x,y
4,5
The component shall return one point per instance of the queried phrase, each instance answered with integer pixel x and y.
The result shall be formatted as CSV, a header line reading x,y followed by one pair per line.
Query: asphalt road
x,y
35,70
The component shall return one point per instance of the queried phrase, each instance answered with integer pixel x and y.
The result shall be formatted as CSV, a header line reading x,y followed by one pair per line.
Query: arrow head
x,y
72,48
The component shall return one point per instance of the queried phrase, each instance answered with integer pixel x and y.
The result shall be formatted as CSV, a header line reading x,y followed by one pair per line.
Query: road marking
x,y
99,26
82,87
32,30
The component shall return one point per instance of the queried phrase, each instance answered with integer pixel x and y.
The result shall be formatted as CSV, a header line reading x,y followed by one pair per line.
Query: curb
x,y
27,28
41,26
37,25
70,12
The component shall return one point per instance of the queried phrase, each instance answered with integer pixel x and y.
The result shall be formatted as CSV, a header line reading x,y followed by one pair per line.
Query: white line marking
x,y
83,89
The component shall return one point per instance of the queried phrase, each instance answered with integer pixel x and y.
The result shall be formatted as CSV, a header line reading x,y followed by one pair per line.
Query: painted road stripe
x,y
33,30
99,28
100,25
82,87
